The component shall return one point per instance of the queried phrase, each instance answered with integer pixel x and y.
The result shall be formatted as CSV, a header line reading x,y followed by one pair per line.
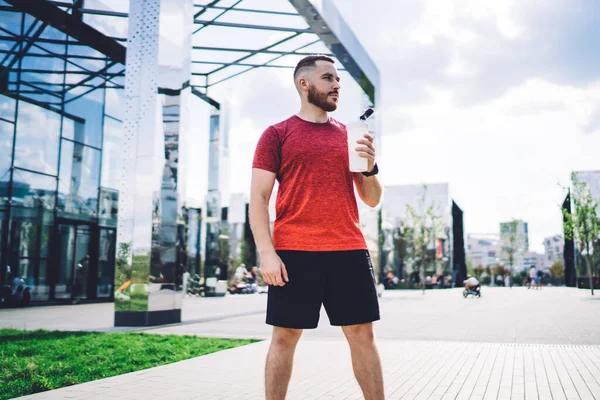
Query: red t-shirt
x,y
316,208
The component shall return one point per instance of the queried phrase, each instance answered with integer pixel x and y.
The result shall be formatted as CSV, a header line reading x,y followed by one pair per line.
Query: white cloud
x,y
499,165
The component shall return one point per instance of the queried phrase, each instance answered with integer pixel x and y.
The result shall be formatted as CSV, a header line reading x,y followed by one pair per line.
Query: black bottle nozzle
x,y
367,114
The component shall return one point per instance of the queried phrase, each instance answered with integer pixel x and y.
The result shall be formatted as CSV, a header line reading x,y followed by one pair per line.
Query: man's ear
x,y
303,83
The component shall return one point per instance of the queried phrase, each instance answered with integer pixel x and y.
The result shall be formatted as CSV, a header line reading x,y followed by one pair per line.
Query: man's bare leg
x,y
278,369
365,360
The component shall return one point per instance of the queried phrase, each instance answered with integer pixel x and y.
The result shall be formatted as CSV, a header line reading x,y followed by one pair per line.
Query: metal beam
x,y
199,13
248,10
42,40
69,24
51,55
273,59
44,71
206,98
241,64
215,18
326,21
275,52
24,49
253,53
247,26
93,75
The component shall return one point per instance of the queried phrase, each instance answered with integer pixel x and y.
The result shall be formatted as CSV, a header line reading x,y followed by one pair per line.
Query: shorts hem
x,y
291,326
359,322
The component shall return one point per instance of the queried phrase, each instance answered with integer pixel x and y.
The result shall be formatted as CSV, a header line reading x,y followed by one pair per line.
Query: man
x,y
317,251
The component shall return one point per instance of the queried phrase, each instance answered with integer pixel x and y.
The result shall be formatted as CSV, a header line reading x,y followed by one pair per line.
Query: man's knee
x,y
285,337
361,334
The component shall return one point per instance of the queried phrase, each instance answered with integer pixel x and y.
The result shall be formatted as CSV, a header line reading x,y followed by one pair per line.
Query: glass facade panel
x,y
79,178
63,286
41,290
106,262
82,262
111,153
115,103
8,108
90,107
33,190
38,135
11,21
7,130
29,236
108,207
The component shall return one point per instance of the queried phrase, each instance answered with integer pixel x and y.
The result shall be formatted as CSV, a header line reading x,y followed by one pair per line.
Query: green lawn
x,y
36,361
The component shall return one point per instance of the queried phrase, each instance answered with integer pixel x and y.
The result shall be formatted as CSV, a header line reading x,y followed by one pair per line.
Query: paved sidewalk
x,y
413,370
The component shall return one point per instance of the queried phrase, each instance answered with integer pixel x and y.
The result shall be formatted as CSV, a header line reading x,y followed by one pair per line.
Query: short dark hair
x,y
310,62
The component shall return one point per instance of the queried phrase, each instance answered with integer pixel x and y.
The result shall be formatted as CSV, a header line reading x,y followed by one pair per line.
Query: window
x,y
33,190
38,132
90,107
111,152
6,144
7,108
79,178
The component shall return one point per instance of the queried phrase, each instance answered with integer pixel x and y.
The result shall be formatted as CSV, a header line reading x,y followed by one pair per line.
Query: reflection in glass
x,y
90,108
65,271
38,132
33,190
6,144
106,262
115,103
108,206
40,290
82,262
7,107
193,240
111,152
79,174
68,128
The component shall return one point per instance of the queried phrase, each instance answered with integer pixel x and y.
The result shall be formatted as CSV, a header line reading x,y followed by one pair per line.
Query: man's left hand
x,y
367,150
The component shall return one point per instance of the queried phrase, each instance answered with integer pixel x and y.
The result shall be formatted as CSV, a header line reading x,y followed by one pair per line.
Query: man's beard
x,y
320,99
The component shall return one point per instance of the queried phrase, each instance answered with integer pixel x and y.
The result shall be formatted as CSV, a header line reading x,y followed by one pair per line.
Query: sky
x,y
500,99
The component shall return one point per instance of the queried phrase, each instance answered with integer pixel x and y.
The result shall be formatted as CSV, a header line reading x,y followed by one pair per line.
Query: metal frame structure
x,y
69,18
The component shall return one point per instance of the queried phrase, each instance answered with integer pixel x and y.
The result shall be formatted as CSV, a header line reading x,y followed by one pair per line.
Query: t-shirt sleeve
x,y
267,153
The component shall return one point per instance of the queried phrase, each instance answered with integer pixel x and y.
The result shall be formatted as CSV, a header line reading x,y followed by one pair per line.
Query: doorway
x,y
76,262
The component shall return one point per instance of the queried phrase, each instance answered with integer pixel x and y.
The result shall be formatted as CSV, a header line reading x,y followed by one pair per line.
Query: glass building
x,y
93,154
61,116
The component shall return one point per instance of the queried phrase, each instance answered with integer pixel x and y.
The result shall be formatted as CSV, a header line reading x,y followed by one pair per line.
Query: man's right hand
x,y
273,270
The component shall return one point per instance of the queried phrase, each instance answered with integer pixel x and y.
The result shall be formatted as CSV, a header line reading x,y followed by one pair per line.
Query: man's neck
x,y
310,112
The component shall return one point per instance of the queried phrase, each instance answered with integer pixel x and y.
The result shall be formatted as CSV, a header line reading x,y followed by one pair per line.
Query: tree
x,y
422,228
583,225
479,270
557,270
511,242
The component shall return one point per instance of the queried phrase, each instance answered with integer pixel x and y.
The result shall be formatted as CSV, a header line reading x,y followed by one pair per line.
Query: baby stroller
x,y
474,291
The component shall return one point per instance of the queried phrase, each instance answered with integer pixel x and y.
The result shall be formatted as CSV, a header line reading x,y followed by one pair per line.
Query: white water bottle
x,y
356,131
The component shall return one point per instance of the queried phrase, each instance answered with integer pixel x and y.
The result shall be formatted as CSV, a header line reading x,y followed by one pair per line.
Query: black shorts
x,y
343,281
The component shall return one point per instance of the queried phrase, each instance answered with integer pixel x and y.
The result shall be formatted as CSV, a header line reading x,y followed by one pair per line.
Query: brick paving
x,y
416,370
510,344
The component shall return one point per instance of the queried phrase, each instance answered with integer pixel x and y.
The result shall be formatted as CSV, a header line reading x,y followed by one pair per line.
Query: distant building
x,y
520,245
553,250
483,249
530,258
